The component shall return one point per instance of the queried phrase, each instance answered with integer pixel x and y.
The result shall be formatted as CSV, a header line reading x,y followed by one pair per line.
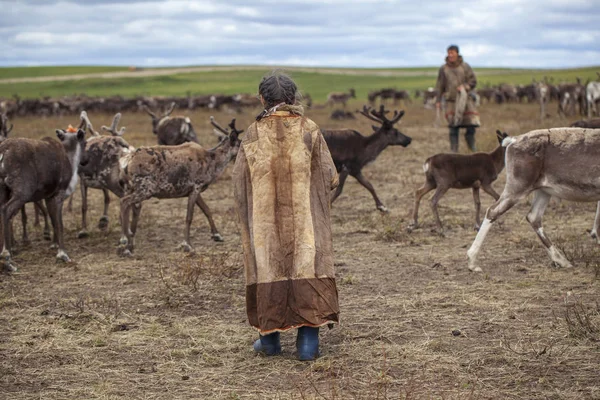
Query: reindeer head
x,y
4,129
113,127
395,137
74,144
225,134
352,93
155,119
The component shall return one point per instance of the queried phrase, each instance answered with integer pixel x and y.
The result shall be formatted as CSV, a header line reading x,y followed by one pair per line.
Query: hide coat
x,y
450,77
283,177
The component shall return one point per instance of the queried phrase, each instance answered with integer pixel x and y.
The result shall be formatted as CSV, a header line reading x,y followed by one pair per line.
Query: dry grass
x,y
415,323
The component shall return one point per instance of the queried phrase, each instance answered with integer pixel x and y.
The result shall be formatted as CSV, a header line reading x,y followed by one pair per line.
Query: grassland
x,y
28,72
318,83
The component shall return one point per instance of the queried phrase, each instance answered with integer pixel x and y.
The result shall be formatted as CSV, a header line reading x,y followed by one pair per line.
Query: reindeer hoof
x,y
411,227
47,236
103,223
123,251
83,234
123,241
186,247
217,237
53,246
475,268
9,266
62,256
594,234
383,209
476,228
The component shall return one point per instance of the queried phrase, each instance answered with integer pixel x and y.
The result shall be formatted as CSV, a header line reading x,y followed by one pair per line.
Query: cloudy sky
x,y
342,33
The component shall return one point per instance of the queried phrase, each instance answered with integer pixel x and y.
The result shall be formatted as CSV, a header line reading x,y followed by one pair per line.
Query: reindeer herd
x,y
45,172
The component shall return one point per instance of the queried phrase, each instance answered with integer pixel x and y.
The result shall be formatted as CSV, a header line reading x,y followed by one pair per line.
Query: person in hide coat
x,y
455,80
283,177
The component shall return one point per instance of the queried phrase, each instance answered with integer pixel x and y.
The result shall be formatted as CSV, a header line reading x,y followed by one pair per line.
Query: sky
x,y
320,33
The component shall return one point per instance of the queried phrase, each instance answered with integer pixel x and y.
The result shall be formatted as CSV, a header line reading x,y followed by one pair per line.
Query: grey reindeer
x,y
168,172
171,131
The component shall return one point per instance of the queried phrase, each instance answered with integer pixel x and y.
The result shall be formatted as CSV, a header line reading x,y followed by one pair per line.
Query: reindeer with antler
x,y
102,170
169,172
340,97
351,151
171,131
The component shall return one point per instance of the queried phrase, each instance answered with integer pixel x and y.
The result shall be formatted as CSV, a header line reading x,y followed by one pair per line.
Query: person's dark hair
x,y
276,87
453,47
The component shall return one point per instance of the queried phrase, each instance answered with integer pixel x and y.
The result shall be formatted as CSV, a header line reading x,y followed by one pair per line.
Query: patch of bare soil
x,y
415,323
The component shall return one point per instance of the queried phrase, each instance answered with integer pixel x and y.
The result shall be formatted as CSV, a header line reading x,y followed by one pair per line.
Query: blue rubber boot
x,y
269,345
307,343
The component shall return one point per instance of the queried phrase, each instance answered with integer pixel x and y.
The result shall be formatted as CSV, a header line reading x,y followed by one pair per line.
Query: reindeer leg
x,y
189,217
103,223
125,243
41,209
477,202
8,211
62,254
83,233
214,233
363,181
490,190
596,226
24,223
36,219
502,205
440,191
70,203
342,179
538,206
419,193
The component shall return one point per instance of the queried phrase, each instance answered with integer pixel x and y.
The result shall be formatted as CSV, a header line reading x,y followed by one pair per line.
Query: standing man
x,y
455,80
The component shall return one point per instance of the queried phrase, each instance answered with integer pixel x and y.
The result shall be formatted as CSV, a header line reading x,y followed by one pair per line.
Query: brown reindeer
x,y
102,170
169,172
171,131
593,123
35,170
460,171
340,97
351,151
560,162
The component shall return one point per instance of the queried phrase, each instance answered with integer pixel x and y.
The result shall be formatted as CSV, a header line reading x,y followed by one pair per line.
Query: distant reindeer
x,y
169,172
340,97
171,131
351,151
560,162
592,95
52,178
102,170
460,171
593,123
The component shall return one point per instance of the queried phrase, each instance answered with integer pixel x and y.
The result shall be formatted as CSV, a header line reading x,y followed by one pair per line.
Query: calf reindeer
x,y
460,171
172,131
561,162
169,172
351,151
340,97
102,170
52,178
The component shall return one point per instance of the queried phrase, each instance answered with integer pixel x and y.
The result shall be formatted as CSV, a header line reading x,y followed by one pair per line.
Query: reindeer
x,y
460,171
351,151
169,172
35,170
340,97
171,131
561,162
589,123
39,206
592,95
102,170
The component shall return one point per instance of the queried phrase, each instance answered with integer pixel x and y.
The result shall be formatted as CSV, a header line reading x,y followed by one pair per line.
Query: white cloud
x,y
365,33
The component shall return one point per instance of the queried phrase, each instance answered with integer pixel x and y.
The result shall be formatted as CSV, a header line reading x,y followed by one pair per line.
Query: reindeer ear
x,y
60,134
80,134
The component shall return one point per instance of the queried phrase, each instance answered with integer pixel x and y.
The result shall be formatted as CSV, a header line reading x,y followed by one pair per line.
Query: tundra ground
x,y
415,323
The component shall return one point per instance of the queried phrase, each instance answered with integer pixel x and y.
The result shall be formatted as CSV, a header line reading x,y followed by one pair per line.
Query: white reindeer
x,y
561,162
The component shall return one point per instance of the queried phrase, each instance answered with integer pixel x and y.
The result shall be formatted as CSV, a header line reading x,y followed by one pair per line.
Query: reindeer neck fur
x,y
498,157
74,159
219,157
375,144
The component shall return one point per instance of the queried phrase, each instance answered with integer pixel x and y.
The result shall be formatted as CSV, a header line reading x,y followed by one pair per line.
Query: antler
x,y
233,128
113,127
219,127
145,108
366,111
169,110
381,115
85,123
